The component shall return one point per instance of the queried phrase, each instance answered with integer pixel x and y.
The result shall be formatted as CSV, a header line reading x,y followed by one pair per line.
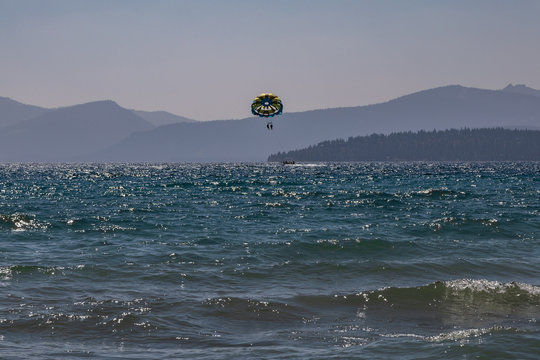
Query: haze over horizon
x,y
207,59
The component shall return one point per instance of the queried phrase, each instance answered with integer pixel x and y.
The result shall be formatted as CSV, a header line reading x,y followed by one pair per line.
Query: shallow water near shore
x,y
319,261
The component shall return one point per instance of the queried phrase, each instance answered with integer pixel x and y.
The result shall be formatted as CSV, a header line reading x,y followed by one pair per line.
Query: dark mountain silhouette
x,y
447,145
13,112
521,89
248,140
159,118
67,134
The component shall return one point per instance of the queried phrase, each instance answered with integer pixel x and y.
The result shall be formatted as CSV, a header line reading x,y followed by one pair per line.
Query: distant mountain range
x,y
521,89
105,132
443,145
69,133
158,118
34,134
13,112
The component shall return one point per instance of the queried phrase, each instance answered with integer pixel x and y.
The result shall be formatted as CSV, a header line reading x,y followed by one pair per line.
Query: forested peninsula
x,y
494,144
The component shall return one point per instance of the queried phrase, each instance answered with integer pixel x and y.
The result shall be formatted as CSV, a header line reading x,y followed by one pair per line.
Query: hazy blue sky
x,y
207,59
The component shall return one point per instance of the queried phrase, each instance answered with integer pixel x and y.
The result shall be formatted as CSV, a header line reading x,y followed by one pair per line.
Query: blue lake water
x,y
222,261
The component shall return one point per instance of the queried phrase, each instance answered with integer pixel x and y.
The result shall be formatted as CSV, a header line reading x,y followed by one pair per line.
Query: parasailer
x,y
267,105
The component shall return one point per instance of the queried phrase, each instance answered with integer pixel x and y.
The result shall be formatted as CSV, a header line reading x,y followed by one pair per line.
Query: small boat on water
x,y
288,162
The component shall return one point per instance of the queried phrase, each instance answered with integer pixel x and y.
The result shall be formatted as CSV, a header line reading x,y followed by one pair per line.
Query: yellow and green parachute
x,y
267,105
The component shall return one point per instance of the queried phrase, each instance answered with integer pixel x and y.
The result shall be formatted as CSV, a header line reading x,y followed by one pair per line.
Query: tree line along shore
x,y
491,144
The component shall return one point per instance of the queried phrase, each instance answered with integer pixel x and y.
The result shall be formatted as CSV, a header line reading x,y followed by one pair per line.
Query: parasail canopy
x,y
266,105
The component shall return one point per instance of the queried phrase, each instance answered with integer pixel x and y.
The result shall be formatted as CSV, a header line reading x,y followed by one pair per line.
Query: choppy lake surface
x,y
221,261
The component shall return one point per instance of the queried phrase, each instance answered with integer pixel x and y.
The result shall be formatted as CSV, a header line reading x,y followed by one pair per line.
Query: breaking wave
x,y
21,222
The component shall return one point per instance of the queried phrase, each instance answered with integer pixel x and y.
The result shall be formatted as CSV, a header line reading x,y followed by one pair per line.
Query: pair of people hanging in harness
x,y
269,125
